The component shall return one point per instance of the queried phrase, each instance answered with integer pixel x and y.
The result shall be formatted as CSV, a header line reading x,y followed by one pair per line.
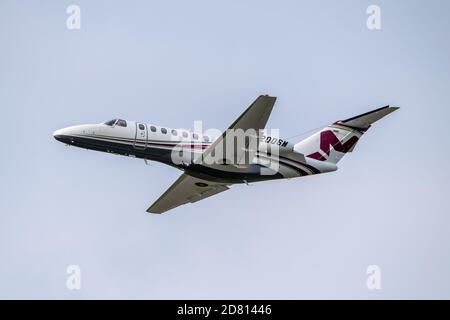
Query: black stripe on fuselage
x,y
313,169
126,149
169,143
163,155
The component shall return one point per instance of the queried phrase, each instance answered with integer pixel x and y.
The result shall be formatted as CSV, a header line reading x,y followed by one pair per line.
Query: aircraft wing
x,y
255,117
186,189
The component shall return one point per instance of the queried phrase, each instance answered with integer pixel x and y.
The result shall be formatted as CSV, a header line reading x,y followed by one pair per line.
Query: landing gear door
x,y
140,141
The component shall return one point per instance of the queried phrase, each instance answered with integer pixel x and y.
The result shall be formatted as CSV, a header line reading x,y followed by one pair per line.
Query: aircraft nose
x,y
57,133
62,135
71,134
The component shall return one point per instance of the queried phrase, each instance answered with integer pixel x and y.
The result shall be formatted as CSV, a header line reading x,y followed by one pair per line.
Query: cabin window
x,y
206,138
195,136
121,123
164,130
153,128
185,134
141,127
174,132
110,122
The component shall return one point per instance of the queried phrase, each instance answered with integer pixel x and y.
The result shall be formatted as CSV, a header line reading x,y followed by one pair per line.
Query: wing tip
x,y
153,211
393,108
265,95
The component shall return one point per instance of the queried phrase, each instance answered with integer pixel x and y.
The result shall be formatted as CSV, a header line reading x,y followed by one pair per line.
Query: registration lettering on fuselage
x,y
270,140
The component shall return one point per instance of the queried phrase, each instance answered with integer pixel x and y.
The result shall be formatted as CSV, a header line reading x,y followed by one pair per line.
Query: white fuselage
x,y
180,148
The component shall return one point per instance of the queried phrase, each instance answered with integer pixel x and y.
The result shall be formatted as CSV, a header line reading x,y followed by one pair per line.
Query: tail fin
x,y
333,142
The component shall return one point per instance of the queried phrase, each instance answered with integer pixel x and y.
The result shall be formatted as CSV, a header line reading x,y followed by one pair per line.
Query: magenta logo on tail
x,y
327,140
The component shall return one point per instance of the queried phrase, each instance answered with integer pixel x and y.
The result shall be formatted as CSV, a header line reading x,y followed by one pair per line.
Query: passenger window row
x,y
183,133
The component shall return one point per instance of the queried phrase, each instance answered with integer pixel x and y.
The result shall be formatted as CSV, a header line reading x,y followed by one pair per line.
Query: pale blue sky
x,y
173,62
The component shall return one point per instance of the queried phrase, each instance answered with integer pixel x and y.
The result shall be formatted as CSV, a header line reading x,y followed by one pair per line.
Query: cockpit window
x,y
110,122
121,123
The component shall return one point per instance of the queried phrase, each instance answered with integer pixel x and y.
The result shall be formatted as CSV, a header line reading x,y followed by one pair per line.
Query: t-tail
x,y
334,141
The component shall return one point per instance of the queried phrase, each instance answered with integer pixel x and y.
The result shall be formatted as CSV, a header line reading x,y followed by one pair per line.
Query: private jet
x,y
244,153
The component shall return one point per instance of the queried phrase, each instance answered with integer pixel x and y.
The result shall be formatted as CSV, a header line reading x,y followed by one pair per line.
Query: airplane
x,y
208,168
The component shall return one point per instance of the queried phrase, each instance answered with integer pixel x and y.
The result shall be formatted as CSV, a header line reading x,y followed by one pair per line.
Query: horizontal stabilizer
x,y
364,120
